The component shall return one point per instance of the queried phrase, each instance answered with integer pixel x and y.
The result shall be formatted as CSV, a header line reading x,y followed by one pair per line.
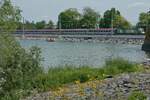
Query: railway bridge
x,y
82,34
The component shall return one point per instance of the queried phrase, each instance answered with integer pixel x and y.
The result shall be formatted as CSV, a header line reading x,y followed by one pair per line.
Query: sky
x,y
37,10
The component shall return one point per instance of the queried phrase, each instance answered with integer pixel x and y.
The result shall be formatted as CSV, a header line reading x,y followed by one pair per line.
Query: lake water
x,y
83,53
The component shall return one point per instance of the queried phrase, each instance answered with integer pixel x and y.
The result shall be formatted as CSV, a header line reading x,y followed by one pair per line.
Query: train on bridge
x,y
101,31
103,34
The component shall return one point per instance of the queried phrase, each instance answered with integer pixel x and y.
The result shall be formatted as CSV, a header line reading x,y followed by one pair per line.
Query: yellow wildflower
x,y
77,82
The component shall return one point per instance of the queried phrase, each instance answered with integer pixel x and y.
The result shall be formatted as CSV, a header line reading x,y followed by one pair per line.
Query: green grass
x,y
137,96
58,76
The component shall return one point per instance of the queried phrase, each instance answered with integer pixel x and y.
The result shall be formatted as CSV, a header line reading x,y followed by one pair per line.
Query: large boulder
x,y
146,45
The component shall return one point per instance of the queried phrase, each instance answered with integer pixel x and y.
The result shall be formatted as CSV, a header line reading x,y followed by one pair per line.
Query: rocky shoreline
x,y
106,40
135,41
116,88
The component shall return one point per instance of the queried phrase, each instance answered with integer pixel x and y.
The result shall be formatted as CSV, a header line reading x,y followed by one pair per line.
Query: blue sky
x,y
37,10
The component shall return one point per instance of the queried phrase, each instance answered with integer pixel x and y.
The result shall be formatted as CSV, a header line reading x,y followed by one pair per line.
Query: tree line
x,y
72,19
36,25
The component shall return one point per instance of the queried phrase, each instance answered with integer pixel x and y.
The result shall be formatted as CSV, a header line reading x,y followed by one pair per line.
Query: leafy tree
x,y
19,25
106,21
26,25
114,17
50,25
18,68
89,18
9,16
40,25
69,19
144,22
29,25
37,25
121,22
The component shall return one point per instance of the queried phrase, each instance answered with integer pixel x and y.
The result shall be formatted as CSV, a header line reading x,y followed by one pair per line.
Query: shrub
x,y
137,96
18,68
118,65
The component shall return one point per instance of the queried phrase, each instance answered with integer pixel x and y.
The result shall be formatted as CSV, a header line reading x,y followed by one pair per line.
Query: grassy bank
x,y
57,77
60,76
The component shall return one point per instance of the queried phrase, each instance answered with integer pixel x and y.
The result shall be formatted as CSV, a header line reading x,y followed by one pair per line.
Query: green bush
x,y
137,96
119,65
18,68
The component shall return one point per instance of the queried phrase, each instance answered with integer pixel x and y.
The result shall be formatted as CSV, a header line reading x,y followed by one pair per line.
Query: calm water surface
x,y
83,53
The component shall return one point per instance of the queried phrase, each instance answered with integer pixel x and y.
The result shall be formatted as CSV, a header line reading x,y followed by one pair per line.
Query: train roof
x,y
66,29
